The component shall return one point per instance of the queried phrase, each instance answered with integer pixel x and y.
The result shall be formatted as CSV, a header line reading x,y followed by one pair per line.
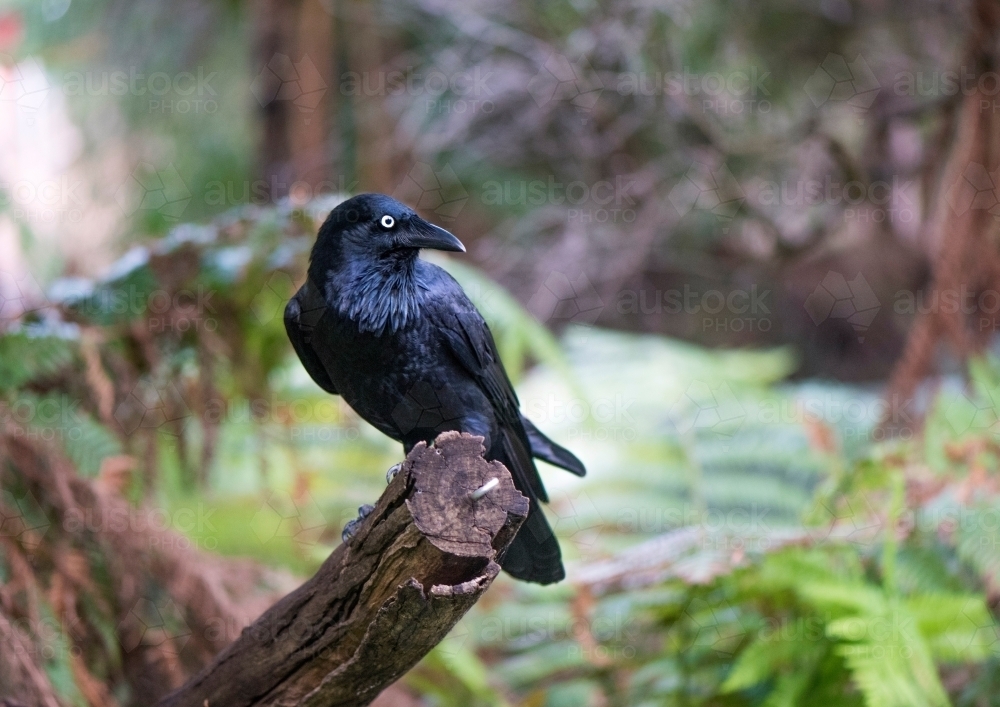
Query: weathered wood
x,y
382,600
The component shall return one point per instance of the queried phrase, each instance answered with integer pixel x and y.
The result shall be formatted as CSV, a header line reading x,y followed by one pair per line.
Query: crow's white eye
x,y
388,221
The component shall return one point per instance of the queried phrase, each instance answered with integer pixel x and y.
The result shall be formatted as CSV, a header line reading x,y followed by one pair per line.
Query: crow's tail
x,y
534,555
548,451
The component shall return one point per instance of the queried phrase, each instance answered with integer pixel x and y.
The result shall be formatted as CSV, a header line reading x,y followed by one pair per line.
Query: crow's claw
x,y
393,470
351,527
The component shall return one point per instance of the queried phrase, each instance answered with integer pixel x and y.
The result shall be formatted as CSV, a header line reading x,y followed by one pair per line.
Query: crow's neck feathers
x,y
380,296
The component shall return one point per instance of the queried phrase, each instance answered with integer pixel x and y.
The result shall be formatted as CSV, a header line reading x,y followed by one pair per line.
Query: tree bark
x,y
383,599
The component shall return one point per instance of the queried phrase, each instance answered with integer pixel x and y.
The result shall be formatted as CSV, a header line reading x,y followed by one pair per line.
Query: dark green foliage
x,y
25,358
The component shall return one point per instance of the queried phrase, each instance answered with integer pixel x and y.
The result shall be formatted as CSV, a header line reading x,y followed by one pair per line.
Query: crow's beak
x,y
424,234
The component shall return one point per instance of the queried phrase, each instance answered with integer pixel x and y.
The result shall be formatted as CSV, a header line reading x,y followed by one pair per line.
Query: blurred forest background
x,y
742,258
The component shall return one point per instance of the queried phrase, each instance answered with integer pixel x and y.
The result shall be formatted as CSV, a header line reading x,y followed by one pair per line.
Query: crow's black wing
x,y
471,342
302,315
534,554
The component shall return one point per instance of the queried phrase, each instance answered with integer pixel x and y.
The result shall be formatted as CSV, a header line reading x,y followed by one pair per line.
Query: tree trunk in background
x,y
372,126
275,26
962,227
309,131
297,84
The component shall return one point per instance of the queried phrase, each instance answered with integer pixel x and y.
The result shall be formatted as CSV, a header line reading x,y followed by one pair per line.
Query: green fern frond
x,y
59,419
772,654
24,358
88,443
922,569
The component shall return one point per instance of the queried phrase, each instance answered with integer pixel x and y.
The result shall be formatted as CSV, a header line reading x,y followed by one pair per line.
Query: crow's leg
x,y
351,526
364,511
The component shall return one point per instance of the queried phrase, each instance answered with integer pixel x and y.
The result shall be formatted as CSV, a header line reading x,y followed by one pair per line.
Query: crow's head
x,y
365,261
376,226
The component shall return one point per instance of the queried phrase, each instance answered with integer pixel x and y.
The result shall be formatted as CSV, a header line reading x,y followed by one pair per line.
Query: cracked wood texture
x,y
382,600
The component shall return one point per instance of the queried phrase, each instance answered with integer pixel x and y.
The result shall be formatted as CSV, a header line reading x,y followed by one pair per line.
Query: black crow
x,y
401,342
